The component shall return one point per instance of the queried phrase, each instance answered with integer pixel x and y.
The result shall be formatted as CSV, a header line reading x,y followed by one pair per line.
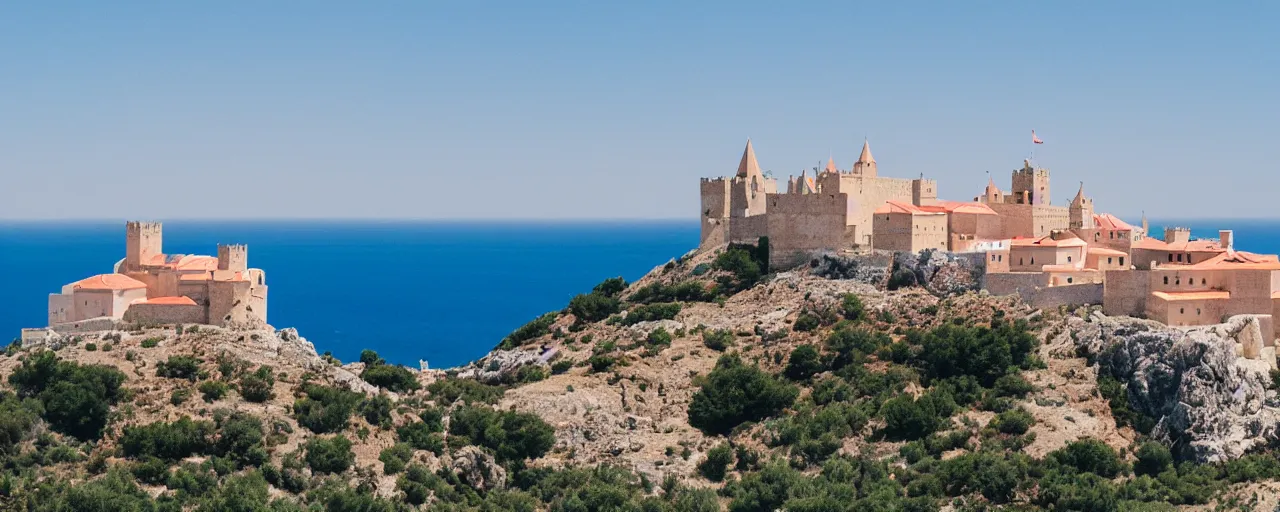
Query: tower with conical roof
x,y
866,164
1080,212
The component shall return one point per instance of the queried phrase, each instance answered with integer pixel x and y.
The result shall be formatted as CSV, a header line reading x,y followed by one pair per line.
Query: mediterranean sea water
x,y
441,292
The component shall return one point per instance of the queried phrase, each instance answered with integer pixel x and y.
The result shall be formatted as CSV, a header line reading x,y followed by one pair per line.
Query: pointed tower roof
x,y
1079,199
831,165
866,153
748,165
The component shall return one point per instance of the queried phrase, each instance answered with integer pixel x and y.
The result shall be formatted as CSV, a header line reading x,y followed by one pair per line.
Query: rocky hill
x,y
713,383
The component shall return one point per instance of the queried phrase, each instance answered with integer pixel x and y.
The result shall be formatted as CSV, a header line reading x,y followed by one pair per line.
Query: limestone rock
x,y
501,366
1209,404
478,469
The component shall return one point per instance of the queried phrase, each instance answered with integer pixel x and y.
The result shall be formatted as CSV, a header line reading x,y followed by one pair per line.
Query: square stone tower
x,y
233,257
143,241
1030,185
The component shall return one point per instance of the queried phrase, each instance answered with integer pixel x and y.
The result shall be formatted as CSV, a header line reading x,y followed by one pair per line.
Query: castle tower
x,y
1145,227
1030,185
866,164
233,257
924,192
143,241
1176,235
831,166
1081,211
749,186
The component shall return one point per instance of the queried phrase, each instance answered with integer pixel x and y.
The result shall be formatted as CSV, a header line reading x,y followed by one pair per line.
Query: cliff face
x,y
1207,401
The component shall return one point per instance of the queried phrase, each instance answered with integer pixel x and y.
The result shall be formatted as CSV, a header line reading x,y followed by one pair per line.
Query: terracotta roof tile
x,y
1046,241
1239,259
170,301
1103,251
1109,221
108,282
901,207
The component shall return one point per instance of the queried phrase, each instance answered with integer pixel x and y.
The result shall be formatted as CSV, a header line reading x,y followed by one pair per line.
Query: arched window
x,y
1068,259
1203,281
1177,281
1033,260
1182,310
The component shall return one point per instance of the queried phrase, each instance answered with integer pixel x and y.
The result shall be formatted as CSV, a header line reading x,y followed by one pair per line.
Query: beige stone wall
x,y
198,291
1059,278
142,241
233,257
924,192
61,308
1107,262
997,261
748,230
156,314
908,233
866,194
1126,292
747,196
1034,258
715,211
92,304
1047,219
1183,313
1014,283
798,224
1067,295
231,303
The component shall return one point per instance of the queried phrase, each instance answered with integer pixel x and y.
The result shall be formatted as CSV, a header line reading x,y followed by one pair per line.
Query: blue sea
x,y
441,292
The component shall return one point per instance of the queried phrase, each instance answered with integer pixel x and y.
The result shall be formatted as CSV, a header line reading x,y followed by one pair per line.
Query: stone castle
x,y
1051,255
151,287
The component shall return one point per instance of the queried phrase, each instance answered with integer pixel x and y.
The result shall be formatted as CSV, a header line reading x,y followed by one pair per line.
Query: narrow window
x,y
1177,281
1170,256
1179,257
1068,280
1202,281
1182,310
1166,279
1108,260
1033,260
1197,311
1001,258
1068,259
1020,261
1122,260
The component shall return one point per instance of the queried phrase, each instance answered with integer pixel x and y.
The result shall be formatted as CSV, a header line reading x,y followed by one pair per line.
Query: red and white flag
x,y
1034,139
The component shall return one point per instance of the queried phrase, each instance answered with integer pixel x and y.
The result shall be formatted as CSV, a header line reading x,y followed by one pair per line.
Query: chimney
x,y
1224,237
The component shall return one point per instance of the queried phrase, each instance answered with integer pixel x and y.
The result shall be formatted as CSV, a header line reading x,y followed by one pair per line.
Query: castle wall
x,y
748,229
157,314
100,303
143,240
61,308
230,304
798,224
1064,278
909,233
715,212
198,291
1014,283
1032,288
1126,292
87,325
233,257
997,261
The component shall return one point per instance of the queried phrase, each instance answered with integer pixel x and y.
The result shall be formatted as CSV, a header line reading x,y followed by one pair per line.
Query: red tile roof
x,y
901,207
1046,241
1110,222
1103,251
108,282
959,207
170,301
1239,260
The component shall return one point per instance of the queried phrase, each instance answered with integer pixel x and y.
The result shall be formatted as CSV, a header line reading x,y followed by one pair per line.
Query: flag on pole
x,y
1034,139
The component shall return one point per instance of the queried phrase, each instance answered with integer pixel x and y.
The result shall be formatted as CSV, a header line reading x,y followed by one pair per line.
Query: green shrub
x,y
395,457
851,308
16,421
377,410
659,338
734,393
325,409
984,353
422,436
907,418
179,367
392,377
213,390
717,340
851,345
91,347
240,439
536,328
651,312
561,366
806,322
1089,455
151,342
179,396
610,287
805,362
1153,459
592,307
329,455
601,362
513,436
258,387
688,291
76,398
448,391
1013,422
168,441
716,464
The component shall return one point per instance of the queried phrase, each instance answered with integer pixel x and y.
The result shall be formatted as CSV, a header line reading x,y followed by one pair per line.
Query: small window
x,y
1033,260
1179,257
1122,260
1182,310
1108,260
1177,281
1197,311
1068,280
1170,257
1166,279
1068,259
1001,258
1203,282
1020,262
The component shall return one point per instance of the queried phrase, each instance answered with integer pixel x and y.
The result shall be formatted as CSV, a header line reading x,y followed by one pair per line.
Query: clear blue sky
x,y
480,109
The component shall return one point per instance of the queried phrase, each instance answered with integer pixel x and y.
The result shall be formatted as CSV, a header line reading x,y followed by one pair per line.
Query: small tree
x,y
805,362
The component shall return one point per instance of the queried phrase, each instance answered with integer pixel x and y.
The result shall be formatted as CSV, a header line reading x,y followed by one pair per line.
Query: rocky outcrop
x,y
478,469
1209,403
865,269
502,366
941,273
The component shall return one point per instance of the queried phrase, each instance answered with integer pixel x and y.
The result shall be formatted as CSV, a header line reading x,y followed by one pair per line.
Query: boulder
x,y
478,469
501,366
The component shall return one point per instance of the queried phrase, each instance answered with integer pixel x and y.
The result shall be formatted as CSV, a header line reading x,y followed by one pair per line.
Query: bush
x,y
240,439
658,338
513,436
610,287
984,353
422,436
536,328
329,455
395,458
1153,459
851,308
806,322
601,362
179,367
592,307
744,263
91,347
688,291
1089,455
258,386
803,363
395,378
377,411
1013,422
16,422
213,390
167,441
909,419
151,342
371,358
716,464
561,366
325,409
851,345
718,340
734,393
76,398
448,391
651,312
